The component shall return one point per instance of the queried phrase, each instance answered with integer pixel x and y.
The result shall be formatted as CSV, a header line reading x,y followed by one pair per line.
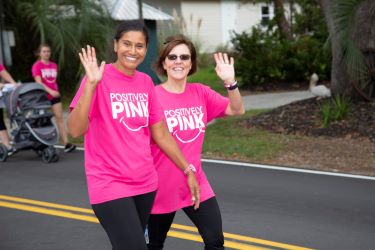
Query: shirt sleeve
x,y
154,107
35,70
216,104
78,94
1,67
57,70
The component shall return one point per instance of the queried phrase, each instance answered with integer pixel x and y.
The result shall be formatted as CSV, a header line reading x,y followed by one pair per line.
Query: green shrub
x,y
335,109
326,110
342,107
262,57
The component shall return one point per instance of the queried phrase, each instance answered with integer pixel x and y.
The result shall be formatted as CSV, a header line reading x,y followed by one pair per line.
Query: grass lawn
x,y
208,77
229,138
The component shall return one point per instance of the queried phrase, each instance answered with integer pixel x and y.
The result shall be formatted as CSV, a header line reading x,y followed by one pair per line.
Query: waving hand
x,y
224,67
94,72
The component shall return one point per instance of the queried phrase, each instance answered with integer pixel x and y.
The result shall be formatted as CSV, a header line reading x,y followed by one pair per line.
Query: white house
x,y
212,21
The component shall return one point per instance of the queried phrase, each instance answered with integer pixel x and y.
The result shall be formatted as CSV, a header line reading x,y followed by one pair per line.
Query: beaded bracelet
x,y
231,86
228,85
189,169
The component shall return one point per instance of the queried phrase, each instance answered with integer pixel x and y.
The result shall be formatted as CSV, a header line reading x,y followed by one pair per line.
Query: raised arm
x,y
7,77
78,119
165,141
225,70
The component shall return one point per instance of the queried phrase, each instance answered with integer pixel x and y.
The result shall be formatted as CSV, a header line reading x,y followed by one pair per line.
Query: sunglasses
x,y
183,57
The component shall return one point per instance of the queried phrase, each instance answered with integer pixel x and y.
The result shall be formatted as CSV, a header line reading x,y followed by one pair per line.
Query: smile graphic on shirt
x,y
130,109
186,124
49,75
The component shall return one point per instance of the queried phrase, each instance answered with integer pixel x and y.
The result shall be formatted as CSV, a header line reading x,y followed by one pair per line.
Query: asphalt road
x,y
261,208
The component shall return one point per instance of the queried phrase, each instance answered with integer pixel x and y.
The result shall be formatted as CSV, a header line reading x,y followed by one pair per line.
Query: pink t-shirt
x,y
186,115
1,67
48,73
118,160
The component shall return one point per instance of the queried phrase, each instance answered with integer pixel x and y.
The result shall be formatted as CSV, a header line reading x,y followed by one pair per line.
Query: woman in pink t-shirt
x,y
45,72
117,111
188,107
4,136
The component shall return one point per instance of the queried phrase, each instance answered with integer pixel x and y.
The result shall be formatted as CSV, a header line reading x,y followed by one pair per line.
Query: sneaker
x,y
11,151
69,147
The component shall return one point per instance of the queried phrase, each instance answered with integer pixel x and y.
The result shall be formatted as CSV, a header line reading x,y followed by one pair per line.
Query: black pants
x,y
125,220
2,123
207,219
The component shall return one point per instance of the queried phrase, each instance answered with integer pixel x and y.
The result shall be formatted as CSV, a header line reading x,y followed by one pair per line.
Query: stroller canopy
x,y
26,96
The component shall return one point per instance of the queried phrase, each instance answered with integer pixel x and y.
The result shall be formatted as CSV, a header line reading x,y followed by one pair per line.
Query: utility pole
x,y
140,10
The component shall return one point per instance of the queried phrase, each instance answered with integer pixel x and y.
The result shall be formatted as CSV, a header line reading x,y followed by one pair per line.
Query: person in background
x,y
117,111
188,107
4,136
44,72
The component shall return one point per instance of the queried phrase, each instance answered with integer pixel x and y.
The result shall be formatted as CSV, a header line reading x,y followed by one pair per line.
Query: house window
x,y
265,15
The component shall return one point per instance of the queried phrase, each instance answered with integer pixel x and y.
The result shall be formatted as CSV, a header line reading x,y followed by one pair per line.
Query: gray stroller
x,y
31,122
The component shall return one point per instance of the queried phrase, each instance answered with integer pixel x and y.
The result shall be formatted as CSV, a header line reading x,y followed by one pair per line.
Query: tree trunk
x,y
363,35
282,23
364,31
339,76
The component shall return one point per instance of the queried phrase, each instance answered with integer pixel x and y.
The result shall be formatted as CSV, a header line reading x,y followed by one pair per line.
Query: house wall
x,y
219,19
211,23
249,15
228,19
203,22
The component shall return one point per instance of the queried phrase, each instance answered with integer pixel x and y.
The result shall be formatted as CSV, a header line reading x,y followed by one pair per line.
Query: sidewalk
x,y
274,100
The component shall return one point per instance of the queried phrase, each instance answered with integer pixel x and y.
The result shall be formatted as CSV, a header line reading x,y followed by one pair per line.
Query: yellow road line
x,y
246,239
229,244
69,215
48,211
46,204
172,233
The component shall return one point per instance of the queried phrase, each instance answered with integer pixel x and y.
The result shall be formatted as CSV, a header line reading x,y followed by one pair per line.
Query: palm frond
x,y
344,16
355,62
67,24
327,47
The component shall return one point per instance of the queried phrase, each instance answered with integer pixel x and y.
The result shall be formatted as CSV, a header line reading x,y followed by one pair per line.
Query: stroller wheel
x,y
55,158
3,153
49,155
39,152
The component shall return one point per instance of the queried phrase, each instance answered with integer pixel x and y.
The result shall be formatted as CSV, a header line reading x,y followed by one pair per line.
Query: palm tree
x,y
67,25
350,24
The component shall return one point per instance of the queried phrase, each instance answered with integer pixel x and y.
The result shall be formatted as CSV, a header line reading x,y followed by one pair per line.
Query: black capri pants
x,y
125,219
2,123
55,100
207,218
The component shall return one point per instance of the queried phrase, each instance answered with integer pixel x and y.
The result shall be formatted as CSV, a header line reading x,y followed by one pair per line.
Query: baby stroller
x,y
31,122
